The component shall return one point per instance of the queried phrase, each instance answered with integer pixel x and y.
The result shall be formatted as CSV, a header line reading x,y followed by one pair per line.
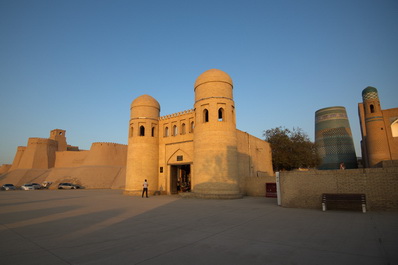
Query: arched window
x,y
166,132
372,108
220,114
142,130
153,131
183,128
175,130
192,127
205,115
131,131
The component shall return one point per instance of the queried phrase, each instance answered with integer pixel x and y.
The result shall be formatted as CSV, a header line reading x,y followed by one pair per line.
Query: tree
x,y
291,149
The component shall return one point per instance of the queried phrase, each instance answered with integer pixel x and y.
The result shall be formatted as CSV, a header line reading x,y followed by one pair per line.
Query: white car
x,y
37,186
67,185
27,187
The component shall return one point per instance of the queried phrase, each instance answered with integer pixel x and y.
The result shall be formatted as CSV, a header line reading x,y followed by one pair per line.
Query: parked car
x,y
8,187
67,185
27,186
37,186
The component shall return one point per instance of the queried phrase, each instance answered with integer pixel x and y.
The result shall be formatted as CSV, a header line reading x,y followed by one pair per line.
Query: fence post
x,y
278,189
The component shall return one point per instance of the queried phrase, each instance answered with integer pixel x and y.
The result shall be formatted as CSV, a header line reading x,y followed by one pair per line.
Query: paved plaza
x,y
106,227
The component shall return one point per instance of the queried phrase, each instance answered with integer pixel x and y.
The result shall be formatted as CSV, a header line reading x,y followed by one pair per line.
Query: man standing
x,y
145,189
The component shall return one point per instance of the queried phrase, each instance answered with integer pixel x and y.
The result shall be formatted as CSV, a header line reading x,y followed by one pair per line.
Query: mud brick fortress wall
x,y
51,159
304,189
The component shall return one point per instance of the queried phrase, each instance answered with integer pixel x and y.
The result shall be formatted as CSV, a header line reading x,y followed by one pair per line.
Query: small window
x,y
372,108
192,127
183,128
175,130
142,130
153,131
220,114
205,115
131,131
166,132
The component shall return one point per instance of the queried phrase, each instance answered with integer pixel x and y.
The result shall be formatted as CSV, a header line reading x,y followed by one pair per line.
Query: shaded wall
x,y
256,186
304,189
254,164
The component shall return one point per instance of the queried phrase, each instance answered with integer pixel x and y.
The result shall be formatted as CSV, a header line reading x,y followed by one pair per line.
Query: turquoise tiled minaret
x,y
334,139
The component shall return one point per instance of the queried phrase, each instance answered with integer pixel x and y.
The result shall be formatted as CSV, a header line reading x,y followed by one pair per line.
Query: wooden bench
x,y
343,197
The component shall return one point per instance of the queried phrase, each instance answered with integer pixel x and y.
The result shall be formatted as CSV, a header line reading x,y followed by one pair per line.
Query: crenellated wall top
x,y
174,115
108,144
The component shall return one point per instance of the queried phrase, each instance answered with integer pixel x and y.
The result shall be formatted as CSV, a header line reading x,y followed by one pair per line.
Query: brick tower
x,y
215,140
375,134
143,145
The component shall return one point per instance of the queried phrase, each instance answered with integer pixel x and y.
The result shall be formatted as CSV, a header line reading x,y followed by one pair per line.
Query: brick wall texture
x,y
304,189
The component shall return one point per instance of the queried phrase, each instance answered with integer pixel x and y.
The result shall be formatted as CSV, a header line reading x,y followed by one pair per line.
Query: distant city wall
x,y
4,168
103,167
70,158
304,189
18,157
18,177
107,154
39,154
51,159
90,177
100,154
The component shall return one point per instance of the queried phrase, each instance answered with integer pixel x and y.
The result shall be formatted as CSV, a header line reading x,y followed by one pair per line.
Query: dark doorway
x,y
180,179
270,190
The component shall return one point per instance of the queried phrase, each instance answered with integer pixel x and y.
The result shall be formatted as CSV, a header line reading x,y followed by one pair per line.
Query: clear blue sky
x,y
78,65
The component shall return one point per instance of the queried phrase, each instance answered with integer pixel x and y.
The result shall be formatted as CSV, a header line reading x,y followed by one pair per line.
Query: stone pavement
x,y
107,227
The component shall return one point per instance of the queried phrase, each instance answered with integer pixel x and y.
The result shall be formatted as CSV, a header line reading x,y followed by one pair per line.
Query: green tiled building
x,y
334,138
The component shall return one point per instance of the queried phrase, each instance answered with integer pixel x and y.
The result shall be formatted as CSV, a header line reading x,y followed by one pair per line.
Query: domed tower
x,y
376,136
215,141
143,145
